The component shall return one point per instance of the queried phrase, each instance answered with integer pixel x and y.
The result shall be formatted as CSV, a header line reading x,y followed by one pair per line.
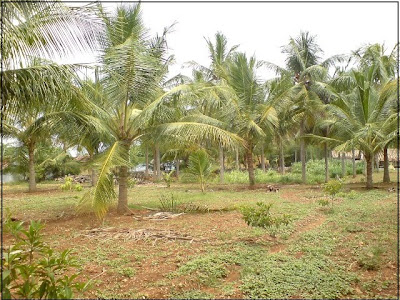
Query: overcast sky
x,y
262,28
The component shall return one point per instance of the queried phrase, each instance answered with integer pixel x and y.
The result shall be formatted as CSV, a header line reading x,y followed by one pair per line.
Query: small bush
x,y
260,216
78,187
333,187
323,202
167,177
371,259
169,203
34,270
67,186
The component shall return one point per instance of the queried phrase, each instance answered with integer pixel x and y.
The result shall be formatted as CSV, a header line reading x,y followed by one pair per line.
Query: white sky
x,y
262,28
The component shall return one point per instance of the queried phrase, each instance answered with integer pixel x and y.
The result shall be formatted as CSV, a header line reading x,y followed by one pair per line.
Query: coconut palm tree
x,y
133,71
362,114
36,32
310,74
215,74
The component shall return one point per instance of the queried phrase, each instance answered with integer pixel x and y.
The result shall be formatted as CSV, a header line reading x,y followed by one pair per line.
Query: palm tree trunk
x,y
123,190
250,167
353,158
369,160
302,153
295,155
157,163
326,153
221,164
386,176
177,162
281,158
146,155
237,159
343,165
32,174
376,162
262,158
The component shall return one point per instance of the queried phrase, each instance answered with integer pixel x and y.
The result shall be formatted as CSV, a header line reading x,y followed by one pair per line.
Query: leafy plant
x,y
169,203
199,167
260,216
67,186
132,182
78,187
167,177
323,202
332,188
34,270
371,258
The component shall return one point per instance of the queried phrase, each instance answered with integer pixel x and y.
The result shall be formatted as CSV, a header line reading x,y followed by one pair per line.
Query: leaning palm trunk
x,y
302,153
221,164
32,174
250,167
369,161
386,176
326,153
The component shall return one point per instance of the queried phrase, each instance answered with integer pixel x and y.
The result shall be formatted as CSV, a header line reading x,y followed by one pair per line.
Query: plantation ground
x,y
349,252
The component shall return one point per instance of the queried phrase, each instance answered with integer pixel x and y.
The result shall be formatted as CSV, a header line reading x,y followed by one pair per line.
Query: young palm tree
x,y
362,114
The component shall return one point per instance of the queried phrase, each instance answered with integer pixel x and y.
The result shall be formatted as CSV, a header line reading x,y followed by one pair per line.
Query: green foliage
x,y
260,216
283,277
199,167
371,258
316,169
169,203
333,187
67,186
34,270
131,182
167,177
192,294
323,202
207,268
78,187
173,203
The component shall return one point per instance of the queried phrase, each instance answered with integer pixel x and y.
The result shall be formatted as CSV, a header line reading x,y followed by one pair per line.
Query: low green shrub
x,y
78,187
167,177
169,203
371,258
34,270
260,216
67,186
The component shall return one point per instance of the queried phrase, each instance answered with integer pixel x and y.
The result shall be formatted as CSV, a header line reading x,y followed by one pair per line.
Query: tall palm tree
x,y
215,74
249,111
134,68
310,74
